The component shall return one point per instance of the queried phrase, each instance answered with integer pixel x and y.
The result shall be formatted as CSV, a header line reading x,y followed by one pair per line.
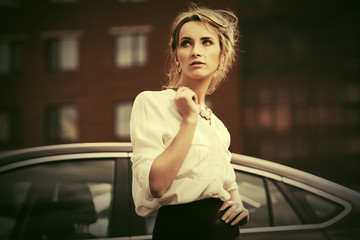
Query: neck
x,y
198,86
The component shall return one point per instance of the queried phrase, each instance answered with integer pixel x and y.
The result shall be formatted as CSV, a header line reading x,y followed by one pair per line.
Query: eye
x,y
207,42
185,43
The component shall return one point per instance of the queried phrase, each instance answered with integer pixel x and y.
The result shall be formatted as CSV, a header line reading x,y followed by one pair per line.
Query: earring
x,y
178,68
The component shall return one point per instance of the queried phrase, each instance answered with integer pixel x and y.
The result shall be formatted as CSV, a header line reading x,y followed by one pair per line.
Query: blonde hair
x,y
225,24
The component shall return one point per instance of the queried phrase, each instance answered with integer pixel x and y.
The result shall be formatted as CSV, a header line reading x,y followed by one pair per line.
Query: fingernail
x,y
223,218
227,221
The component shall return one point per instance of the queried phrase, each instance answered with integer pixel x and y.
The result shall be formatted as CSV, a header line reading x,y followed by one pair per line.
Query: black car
x,y
83,191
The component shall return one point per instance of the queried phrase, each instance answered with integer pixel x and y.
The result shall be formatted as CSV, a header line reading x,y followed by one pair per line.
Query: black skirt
x,y
199,220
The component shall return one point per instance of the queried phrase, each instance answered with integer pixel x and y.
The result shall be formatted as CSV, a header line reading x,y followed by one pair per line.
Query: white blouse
x,y
206,171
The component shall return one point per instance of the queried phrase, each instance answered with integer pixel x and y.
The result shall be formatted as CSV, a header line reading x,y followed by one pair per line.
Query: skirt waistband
x,y
200,220
208,204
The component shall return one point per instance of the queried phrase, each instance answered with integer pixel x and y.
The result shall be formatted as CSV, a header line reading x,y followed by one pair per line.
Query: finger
x,y
225,205
227,213
194,98
190,94
182,89
233,214
240,217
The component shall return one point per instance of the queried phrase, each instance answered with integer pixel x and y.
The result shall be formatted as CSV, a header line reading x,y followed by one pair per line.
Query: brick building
x,y
300,89
70,69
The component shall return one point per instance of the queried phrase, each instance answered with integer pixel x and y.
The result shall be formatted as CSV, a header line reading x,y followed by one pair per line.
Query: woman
x,y
181,161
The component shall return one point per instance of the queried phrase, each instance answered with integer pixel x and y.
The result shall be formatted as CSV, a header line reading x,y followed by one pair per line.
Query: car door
x,y
65,197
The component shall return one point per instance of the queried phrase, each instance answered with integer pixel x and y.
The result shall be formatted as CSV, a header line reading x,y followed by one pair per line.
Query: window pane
x,y
68,123
9,126
5,126
69,200
266,116
283,214
322,209
17,56
252,192
52,54
283,120
62,123
122,120
62,54
131,49
68,55
123,50
141,49
4,57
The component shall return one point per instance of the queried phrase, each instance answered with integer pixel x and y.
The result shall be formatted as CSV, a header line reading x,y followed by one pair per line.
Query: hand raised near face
x,y
187,103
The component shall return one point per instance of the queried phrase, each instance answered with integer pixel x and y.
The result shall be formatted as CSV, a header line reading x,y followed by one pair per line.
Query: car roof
x,y
291,175
71,148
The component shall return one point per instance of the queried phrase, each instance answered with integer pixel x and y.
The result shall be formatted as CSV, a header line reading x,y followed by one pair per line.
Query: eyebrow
x,y
203,38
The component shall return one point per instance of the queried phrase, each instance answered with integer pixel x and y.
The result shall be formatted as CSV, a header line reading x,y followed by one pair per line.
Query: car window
x,y
283,213
318,209
252,192
62,200
256,193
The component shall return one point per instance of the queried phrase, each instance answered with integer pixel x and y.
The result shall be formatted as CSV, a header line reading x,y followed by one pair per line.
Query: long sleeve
x,y
146,127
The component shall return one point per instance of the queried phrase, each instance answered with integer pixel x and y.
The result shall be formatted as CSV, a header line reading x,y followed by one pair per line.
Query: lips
x,y
196,63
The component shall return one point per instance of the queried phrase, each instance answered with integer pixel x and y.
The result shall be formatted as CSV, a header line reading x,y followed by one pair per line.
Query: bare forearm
x,y
166,166
235,196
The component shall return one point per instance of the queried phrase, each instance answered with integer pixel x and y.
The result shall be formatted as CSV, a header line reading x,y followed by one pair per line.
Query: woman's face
x,y
199,50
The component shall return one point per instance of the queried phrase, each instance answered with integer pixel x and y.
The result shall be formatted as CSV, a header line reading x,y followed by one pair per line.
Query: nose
x,y
196,51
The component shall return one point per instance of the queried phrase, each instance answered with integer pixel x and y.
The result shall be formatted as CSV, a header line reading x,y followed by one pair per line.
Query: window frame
x,y
14,117
136,58
16,54
282,179
52,43
49,123
117,118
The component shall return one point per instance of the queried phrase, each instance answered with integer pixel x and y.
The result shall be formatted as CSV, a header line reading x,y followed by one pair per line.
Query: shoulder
x,y
154,102
151,96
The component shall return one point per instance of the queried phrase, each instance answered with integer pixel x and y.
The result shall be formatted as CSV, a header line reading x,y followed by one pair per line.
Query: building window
x,y
130,46
62,123
11,56
131,50
122,120
62,54
9,126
